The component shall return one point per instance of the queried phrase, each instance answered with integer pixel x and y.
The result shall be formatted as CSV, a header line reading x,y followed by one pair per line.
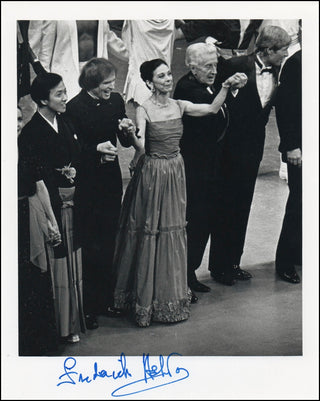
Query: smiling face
x,y
57,98
105,88
205,69
162,79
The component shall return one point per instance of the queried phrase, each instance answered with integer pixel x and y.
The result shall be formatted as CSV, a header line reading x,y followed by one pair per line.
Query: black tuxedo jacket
x,y
247,116
289,105
201,135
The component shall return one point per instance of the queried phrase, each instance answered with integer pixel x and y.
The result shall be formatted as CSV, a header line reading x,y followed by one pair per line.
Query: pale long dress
x,y
145,40
67,274
151,247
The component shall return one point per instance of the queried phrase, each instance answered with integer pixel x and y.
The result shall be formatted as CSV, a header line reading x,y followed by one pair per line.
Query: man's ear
x,y
269,51
193,69
44,102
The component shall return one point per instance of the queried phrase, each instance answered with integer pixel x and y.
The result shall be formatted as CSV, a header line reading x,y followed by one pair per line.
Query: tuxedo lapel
x,y
252,80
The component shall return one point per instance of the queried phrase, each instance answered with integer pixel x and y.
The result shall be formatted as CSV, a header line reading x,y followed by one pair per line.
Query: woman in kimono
x,y
49,140
37,326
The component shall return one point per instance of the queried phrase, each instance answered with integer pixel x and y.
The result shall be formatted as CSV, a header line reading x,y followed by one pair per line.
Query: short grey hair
x,y
195,51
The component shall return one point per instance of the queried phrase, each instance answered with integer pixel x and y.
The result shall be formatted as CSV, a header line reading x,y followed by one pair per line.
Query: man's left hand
x,y
295,157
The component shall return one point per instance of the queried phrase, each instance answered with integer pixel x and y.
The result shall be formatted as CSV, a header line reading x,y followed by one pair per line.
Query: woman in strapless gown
x,y
150,258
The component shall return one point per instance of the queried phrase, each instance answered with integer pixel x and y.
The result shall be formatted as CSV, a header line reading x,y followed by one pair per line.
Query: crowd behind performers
x,y
196,160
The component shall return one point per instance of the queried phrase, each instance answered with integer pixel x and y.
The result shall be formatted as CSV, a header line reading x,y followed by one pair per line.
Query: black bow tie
x,y
265,69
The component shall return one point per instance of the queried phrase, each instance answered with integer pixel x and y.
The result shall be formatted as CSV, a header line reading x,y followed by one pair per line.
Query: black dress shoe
x,y
194,298
91,322
223,278
111,311
240,274
195,285
291,277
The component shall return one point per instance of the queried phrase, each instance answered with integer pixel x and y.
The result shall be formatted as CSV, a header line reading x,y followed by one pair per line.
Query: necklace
x,y
159,104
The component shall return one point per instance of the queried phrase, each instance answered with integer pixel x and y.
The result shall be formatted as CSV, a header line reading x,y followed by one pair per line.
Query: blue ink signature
x,y
70,364
151,372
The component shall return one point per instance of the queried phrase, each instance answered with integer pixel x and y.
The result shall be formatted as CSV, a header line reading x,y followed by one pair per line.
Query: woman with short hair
x,y
96,112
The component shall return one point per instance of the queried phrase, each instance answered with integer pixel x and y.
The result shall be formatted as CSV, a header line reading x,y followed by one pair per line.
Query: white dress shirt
x,y
266,83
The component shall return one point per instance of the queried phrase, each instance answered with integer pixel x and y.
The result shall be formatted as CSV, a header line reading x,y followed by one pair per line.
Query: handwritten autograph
x,y
154,374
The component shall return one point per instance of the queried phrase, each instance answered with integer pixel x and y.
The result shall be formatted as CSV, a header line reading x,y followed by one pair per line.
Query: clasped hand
x,y
109,152
54,234
127,126
237,80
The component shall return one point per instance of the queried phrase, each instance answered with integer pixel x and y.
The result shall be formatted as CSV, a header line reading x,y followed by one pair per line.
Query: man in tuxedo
x,y
243,148
289,120
200,145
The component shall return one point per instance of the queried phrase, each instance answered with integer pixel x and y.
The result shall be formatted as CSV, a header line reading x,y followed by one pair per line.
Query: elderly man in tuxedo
x,y
66,46
289,120
200,146
243,148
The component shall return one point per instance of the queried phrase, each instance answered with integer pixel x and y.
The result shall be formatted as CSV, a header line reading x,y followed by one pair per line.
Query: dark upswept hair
x,y
273,38
42,85
94,72
148,67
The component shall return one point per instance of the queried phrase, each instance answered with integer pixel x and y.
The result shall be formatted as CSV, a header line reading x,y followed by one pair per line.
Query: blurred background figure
x,y
29,35
233,37
67,45
145,40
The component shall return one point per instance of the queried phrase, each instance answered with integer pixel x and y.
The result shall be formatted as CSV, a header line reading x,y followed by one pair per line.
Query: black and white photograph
x,y
159,215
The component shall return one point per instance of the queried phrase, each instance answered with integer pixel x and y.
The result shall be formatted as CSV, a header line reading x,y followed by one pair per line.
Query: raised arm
x,y
236,81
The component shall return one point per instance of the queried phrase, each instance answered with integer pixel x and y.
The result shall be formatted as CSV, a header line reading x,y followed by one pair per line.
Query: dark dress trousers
x,y
289,120
242,154
200,147
98,194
